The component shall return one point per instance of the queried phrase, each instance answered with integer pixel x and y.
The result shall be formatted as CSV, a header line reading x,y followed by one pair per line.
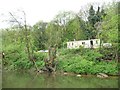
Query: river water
x,y
27,80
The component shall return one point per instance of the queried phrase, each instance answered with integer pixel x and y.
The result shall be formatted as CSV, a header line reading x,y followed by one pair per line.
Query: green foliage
x,y
75,29
15,58
108,68
40,56
40,64
53,34
94,18
71,61
39,36
87,53
109,27
109,53
92,55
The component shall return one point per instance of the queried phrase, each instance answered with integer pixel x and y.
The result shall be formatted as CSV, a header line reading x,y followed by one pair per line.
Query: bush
x,y
86,53
92,55
86,63
109,53
108,68
17,58
75,64
39,56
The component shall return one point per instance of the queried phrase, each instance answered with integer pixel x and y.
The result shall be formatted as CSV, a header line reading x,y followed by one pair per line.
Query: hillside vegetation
x,y
21,42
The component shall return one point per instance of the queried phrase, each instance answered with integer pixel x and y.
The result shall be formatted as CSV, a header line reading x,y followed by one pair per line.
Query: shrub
x,y
92,55
75,64
109,53
17,58
40,56
85,64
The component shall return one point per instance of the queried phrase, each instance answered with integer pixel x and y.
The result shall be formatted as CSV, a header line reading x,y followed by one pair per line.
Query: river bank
x,y
80,61
58,72
57,80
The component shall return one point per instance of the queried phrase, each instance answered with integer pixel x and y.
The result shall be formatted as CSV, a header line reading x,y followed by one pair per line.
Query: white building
x,y
92,43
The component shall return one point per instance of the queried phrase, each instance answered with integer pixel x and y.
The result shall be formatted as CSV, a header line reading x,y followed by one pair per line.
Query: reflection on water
x,y
25,80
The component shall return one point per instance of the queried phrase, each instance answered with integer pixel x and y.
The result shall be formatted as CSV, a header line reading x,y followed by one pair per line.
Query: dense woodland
x,y
20,42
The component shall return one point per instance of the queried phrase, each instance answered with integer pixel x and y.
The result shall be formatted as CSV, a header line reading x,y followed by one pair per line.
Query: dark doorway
x,y
91,44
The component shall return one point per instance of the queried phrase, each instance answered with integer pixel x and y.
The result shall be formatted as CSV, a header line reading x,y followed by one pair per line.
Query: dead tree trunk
x,y
50,63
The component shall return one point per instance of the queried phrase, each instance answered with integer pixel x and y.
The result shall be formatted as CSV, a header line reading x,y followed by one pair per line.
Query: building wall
x,y
84,43
96,43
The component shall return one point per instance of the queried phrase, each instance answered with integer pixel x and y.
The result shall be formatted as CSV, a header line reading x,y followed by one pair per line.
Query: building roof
x,y
84,40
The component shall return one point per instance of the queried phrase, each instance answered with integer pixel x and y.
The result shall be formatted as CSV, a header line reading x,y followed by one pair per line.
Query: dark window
x,y
83,43
72,44
96,42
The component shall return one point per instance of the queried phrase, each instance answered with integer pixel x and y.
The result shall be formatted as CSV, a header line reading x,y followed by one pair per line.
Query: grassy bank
x,y
85,61
82,61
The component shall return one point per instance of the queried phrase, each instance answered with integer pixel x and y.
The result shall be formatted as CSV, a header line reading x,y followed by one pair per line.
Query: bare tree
x,y
24,27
